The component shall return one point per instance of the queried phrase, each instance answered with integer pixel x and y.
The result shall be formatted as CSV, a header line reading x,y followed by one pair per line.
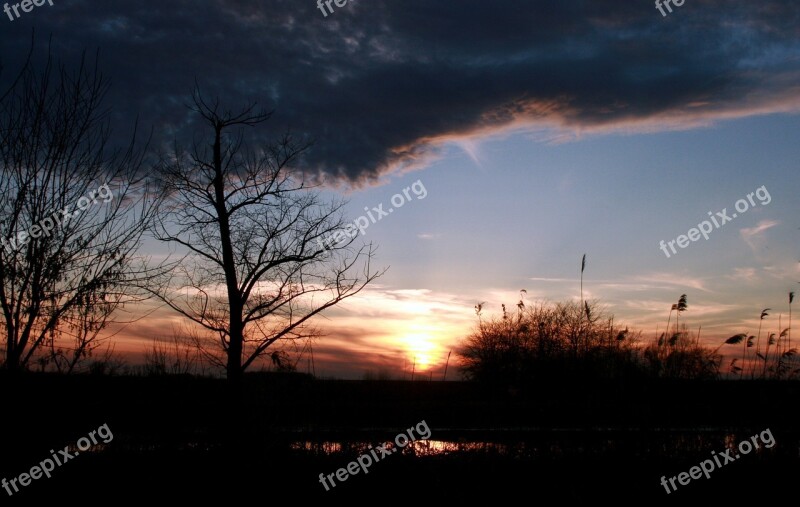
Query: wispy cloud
x,y
670,281
552,280
744,275
753,235
654,281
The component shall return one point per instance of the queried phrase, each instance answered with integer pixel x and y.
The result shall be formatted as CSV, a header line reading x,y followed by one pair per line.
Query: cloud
x,y
378,329
744,275
753,235
552,280
389,329
383,86
669,280
648,282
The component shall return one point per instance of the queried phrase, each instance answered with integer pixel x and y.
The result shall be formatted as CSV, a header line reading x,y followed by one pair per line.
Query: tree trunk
x,y
234,366
12,359
236,338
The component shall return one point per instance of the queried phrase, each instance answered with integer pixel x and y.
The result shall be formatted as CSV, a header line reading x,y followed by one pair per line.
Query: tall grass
x,y
764,313
547,338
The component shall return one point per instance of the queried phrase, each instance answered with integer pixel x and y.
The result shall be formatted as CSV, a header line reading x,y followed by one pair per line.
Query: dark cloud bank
x,y
380,84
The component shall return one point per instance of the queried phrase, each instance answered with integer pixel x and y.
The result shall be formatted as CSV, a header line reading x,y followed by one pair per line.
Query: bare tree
x,y
260,261
71,217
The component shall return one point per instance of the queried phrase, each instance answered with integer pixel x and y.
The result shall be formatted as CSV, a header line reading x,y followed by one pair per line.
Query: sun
x,y
420,348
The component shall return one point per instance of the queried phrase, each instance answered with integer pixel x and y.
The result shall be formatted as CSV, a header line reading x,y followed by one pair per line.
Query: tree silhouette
x,y
265,253
67,259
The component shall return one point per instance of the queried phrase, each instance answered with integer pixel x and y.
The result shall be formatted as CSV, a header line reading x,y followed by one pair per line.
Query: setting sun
x,y
420,350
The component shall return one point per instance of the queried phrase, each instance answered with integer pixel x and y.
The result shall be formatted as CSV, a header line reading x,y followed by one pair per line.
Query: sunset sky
x,y
540,131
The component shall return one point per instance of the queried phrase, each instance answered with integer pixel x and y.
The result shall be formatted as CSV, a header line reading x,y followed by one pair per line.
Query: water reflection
x,y
551,445
418,448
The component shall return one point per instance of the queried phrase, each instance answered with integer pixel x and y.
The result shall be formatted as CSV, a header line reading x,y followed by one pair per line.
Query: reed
x,y
758,339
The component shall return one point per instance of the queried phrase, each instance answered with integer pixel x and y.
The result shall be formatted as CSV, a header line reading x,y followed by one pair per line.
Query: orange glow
x,y
420,348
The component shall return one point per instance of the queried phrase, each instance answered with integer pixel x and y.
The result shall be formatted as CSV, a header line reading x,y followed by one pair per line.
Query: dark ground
x,y
187,439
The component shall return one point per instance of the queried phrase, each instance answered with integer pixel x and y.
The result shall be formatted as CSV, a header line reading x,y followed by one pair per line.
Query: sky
x,y
540,131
